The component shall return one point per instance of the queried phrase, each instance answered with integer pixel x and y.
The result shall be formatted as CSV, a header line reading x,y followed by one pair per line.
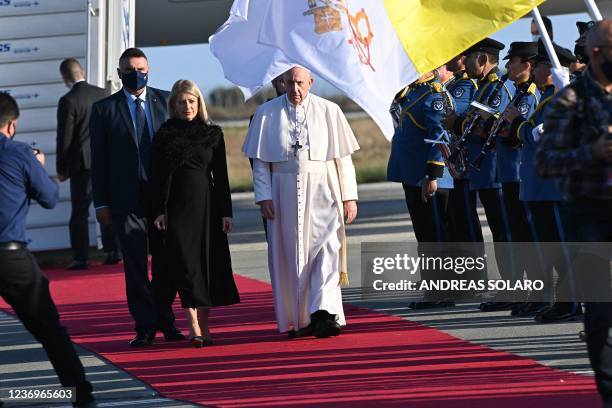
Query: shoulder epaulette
x,y
402,93
437,87
532,88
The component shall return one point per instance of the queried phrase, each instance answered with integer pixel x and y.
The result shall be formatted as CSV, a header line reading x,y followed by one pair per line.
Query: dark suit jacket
x,y
114,150
73,113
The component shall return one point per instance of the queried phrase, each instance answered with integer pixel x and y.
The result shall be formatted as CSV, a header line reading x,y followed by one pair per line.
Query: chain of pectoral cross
x,y
297,131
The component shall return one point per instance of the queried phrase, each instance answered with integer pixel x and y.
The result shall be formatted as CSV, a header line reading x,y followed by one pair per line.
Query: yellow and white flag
x,y
245,62
370,49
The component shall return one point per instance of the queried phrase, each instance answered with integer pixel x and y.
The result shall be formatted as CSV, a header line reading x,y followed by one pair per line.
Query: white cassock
x,y
306,238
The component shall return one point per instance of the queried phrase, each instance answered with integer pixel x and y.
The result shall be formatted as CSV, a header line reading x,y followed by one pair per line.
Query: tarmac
x,y
382,217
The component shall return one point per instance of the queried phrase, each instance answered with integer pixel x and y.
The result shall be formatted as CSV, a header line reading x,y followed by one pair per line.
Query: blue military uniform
x,y
509,152
497,96
412,156
464,223
463,91
525,100
416,159
493,93
534,187
543,196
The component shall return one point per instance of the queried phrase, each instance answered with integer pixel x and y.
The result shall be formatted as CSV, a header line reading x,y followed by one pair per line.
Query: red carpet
x,y
379,360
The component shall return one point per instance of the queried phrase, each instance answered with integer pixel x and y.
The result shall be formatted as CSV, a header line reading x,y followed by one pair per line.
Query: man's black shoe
x,y
496,306
172,334
529,309
559,313
431,305
77,266
326,328
324,324
112,258
303,332
143,339
516,309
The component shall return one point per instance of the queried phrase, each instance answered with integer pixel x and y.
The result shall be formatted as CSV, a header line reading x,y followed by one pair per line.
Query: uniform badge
x,y
458,92
523,108
496,101
438,105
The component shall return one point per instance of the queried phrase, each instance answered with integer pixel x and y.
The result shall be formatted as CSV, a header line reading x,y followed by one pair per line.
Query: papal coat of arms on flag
x,y
368,49
328,17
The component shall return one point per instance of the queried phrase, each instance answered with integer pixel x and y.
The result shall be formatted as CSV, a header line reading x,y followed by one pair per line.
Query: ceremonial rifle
x,y
499,125
458,155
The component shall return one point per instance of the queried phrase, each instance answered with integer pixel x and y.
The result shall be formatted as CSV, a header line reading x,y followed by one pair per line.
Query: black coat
x,y
114,150
190,185
73,113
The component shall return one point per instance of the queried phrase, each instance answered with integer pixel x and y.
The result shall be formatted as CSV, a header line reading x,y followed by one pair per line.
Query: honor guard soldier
x,y
461,87
463,217
417,162
541,195
481,64
521,60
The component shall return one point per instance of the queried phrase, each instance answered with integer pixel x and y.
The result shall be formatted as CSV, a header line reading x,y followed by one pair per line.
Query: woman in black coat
x,y
192,203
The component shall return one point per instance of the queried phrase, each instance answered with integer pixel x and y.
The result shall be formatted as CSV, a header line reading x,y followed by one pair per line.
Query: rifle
x,y
499,125
459,154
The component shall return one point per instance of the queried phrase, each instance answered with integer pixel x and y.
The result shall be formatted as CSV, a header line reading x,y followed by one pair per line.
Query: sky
x,y
197,63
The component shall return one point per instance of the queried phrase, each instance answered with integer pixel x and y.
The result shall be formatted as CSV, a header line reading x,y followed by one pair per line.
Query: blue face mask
x,y
134,80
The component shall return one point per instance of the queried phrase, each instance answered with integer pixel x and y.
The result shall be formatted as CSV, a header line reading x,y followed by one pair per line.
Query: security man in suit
x,y
73,161
22,284
481,64
542,195
122,127
418,164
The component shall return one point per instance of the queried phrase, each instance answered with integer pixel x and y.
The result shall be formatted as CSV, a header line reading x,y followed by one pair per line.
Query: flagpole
x,y
593,10
545,38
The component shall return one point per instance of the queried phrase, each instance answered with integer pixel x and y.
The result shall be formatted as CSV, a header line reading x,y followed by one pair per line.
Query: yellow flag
x,y
433,32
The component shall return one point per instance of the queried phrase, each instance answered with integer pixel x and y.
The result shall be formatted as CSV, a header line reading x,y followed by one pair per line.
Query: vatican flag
x,y
370,49
245,62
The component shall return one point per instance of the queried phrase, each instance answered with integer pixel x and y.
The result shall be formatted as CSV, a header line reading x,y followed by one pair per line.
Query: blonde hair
x,y
190,87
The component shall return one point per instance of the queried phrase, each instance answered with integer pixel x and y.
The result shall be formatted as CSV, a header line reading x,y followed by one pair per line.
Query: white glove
x,y
561,77
537,131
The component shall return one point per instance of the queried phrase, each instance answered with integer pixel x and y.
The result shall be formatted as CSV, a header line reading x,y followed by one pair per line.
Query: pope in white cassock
x,y
304,182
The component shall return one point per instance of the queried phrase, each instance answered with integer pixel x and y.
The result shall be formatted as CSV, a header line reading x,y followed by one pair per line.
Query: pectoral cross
x,y
296,147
